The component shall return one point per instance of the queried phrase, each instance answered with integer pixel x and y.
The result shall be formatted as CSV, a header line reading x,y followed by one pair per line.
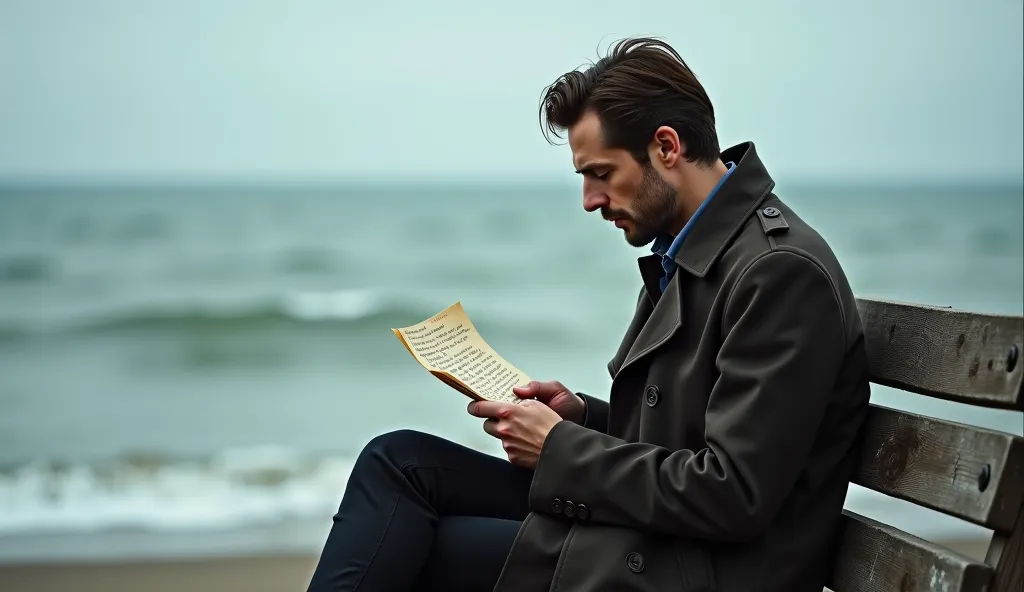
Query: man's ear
x,y
667,147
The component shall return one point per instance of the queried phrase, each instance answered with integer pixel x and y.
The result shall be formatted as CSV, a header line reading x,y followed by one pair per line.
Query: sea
x,y
191,370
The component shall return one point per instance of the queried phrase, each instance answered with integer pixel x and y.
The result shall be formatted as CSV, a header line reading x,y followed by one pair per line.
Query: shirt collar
x,y
749,184
666,245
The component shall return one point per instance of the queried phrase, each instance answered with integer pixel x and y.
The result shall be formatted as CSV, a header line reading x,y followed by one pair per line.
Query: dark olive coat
x,y
722,456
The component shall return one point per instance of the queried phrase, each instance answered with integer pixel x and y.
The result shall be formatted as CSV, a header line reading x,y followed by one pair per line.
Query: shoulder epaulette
x,y
772,220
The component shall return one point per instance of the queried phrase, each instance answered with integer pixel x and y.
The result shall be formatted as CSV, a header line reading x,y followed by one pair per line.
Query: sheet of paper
x,y
448,344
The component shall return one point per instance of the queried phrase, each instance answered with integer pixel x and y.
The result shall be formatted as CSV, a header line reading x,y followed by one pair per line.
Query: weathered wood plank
x,y
1006,554
875,557
968,472
946,353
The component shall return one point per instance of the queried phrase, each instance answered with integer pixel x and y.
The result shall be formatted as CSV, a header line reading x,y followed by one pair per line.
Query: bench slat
x,y
942,465
1006,553
874,557
945,353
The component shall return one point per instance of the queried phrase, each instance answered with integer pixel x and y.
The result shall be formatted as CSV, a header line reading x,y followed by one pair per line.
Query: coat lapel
x,y
644,306
724,217
664,320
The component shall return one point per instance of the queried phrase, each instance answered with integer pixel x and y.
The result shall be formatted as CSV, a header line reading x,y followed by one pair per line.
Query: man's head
x,y
642,131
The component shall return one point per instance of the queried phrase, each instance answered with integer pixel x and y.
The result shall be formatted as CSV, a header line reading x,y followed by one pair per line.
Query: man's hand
x,y
567,404
521,428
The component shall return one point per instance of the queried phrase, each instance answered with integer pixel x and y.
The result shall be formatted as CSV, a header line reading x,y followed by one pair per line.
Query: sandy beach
x,y
276,573
255,573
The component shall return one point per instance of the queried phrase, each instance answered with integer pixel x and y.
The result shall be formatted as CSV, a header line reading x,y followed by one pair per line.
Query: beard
x,y
653,210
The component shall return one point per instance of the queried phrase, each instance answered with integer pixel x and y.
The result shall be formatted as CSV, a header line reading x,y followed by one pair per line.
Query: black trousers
x,y
421,513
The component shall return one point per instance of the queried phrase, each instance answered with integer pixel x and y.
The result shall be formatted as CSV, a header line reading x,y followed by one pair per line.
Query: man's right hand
x,y
567,404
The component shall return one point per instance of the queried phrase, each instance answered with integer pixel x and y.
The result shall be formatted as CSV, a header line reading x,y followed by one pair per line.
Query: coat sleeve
x,y
782,347
595,413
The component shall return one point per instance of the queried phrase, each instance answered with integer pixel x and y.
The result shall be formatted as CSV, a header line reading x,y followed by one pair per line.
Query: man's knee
x,y
397,447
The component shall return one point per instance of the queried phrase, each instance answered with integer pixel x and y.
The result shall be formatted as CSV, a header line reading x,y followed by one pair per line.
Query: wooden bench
x,y
971,473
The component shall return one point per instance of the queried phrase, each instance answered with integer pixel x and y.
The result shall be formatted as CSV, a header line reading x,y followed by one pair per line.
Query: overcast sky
x,y
413,88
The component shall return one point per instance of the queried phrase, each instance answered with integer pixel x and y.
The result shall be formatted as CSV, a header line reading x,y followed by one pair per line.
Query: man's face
x,y
634,197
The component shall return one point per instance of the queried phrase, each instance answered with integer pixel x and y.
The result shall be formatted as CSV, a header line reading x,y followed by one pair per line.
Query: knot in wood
x,y
895,453
894,464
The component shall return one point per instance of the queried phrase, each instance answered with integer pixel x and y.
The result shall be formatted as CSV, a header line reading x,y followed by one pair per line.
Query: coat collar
x,y
727,212
657,319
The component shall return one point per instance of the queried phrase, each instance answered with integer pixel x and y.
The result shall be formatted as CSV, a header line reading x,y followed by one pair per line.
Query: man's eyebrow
x,y
590,166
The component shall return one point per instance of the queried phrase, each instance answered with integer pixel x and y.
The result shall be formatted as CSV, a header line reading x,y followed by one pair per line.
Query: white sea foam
x,y
341,304
236,488
170,312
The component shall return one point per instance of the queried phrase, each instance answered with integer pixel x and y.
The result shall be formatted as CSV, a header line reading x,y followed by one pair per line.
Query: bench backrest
x,y
971,473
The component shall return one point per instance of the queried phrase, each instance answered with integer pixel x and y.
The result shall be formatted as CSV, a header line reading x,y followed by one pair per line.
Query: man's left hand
x,y
522,428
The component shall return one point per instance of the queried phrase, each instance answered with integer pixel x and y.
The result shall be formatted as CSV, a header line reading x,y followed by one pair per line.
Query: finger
x,y
502,430
489,409
520,460
491,427
543,391
527,390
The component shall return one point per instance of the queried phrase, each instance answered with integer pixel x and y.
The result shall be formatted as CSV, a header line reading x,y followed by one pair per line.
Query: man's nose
x,y
594,200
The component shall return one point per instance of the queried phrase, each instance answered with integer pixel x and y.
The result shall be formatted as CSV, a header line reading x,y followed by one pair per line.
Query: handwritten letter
x,y
448,344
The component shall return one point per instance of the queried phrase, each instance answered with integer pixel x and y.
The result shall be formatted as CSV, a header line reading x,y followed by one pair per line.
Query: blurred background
x,y
212,213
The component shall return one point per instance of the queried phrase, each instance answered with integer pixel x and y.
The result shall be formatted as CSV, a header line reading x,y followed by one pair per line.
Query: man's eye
x,y
601,176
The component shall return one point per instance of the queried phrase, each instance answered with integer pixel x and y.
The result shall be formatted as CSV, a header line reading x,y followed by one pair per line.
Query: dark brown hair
x,y
640,85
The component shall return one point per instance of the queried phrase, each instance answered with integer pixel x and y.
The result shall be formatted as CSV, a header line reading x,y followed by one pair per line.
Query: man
x,y
721,458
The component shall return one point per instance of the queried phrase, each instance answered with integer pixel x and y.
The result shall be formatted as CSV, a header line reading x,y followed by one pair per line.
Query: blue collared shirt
x,y
667,246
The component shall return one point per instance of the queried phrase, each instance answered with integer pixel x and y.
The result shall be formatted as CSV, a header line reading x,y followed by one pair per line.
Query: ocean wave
x,y
234,488
345,308
253,486
27,268
10,335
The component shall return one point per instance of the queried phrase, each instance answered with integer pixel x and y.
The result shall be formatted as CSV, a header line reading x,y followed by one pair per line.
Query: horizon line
x,y
525,179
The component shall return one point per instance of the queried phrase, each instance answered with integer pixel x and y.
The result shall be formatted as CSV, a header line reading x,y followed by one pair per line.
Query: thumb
x,y
527,390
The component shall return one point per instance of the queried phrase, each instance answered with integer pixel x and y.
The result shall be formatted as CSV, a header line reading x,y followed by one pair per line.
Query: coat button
x,y
582,511
635,562
651,395
570,509
556,506
770,212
